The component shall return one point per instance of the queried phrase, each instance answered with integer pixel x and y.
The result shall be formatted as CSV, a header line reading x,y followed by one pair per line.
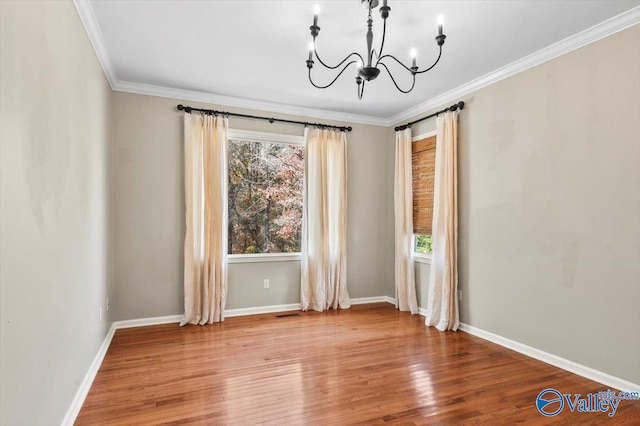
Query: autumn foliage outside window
x,y
265,197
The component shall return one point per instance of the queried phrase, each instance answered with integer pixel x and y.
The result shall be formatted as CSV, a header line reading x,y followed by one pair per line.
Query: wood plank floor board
x,y
367,365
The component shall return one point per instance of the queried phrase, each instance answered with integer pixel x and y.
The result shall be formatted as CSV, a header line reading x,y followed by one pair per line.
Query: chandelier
x,y
368,70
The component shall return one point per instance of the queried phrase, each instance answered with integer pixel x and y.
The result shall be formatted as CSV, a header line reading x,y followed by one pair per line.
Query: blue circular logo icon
x,y
549,402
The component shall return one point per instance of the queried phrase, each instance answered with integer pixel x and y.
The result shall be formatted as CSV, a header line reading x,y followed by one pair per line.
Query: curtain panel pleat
x,y
442,303
205,245
324,239
406,299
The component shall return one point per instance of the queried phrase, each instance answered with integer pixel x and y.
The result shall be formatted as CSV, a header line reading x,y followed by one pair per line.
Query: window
x,y
423,244
265,193
423,160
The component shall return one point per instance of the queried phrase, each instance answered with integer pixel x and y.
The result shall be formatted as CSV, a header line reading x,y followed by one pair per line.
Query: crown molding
x,y
606,28
253,104
85,10
95,37
599,31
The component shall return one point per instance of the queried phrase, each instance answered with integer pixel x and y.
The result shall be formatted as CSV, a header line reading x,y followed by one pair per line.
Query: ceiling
x,y
256,50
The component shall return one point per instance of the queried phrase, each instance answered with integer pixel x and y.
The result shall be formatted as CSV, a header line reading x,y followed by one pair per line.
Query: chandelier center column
x,y
369,39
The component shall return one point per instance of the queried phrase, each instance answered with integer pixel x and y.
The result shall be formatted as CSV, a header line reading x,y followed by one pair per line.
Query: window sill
x,y
263,257
422,258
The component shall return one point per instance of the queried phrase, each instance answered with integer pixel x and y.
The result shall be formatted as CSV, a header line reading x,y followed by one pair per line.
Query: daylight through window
x,y
423,244
265,197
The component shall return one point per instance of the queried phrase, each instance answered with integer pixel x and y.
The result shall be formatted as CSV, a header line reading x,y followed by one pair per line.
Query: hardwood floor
x,y
367,365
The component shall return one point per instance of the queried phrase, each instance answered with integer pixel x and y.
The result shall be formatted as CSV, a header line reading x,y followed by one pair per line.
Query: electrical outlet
x,y
266,283
108,304
460,295
100,313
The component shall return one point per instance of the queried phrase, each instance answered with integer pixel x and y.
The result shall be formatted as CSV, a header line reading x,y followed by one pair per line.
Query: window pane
x,y
265,197
423,244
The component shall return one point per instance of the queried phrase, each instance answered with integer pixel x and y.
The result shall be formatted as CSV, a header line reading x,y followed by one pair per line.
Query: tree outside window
x,y
265,197
423,244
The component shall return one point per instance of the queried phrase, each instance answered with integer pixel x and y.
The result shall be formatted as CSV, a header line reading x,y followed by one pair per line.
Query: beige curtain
x,y
403,201
324,239
442,309
205,243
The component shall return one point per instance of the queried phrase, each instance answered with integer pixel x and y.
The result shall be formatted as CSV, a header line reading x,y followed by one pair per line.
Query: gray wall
x,y
246,287
149,213
549,172
390,154
54,223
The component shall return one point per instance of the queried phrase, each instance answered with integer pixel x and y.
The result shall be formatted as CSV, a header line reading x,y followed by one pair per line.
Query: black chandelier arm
x,y
434,64
332,81
342,62
394,80
384,33
379,62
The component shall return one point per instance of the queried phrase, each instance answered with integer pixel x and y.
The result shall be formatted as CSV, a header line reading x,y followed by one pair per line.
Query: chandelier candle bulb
x,y
310,50
316,12
413,55
440,22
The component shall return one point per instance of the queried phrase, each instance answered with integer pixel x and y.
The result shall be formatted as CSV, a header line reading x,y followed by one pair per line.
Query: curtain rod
x,y
459,105
189,109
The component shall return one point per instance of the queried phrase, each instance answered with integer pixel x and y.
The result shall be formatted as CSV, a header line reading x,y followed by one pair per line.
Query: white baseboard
x,y
376,299
76,404
228,313
240,312
142,322
556,361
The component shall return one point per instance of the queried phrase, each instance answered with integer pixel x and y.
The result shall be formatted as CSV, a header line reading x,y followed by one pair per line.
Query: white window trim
x,y
249,135
423,136
421,257
263,257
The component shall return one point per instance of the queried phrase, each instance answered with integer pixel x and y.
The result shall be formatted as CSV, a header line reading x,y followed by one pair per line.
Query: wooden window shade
x,y
423,164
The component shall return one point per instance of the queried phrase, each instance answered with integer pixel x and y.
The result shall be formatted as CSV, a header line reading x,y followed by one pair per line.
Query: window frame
x,y
421,257
265,137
